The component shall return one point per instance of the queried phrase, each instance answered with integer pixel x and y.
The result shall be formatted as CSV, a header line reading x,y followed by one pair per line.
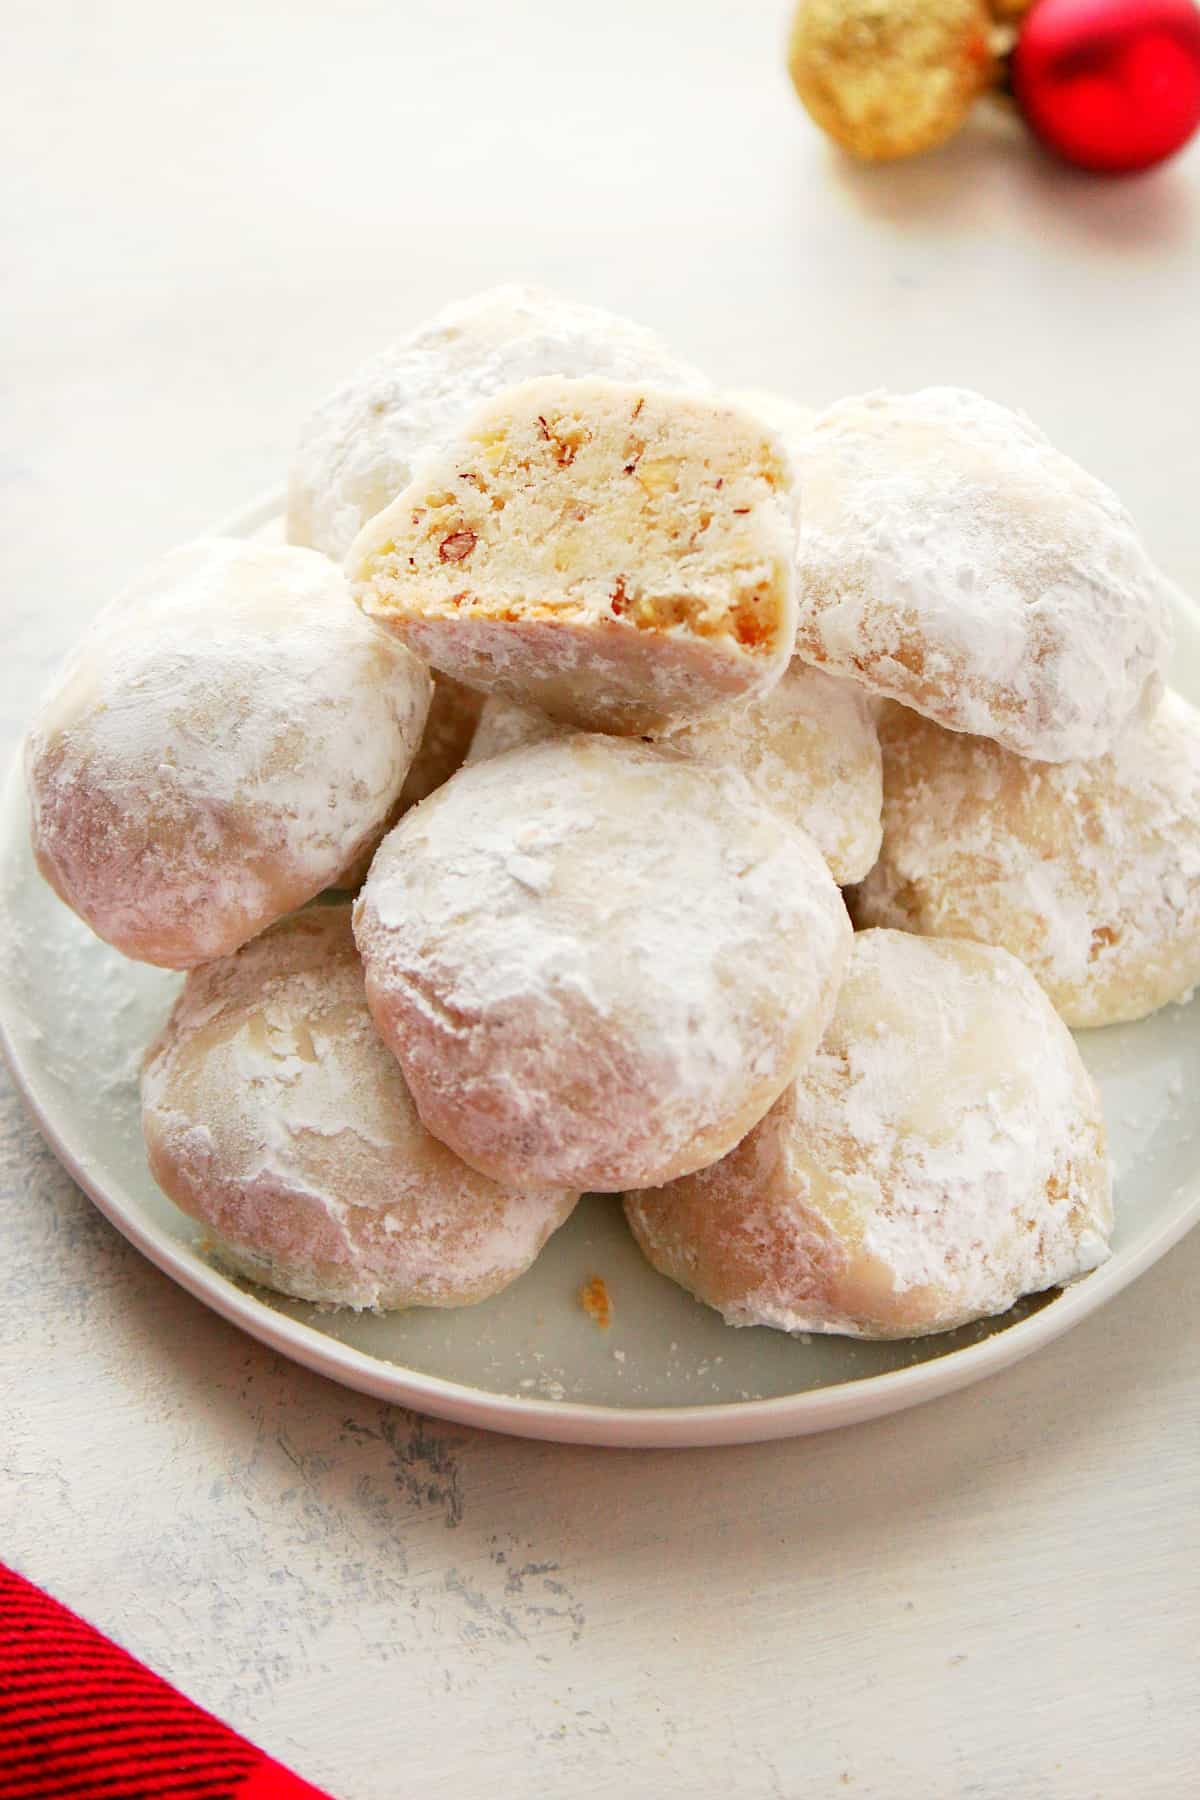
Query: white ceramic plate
x,y
74,1017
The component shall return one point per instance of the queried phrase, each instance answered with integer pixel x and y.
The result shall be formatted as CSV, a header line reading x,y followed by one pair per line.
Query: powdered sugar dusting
x,y
951,558
941,1155
275,1116
808,748
228,736
359,449
1089,872
594,959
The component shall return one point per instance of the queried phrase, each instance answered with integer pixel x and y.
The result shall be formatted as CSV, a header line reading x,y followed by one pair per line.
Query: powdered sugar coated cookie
x,y
1089,872
942,1154
594,960
952,559
808,748
274,1116
225,740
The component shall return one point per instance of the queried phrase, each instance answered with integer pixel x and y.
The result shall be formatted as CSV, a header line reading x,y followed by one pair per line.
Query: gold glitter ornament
x,y
889,78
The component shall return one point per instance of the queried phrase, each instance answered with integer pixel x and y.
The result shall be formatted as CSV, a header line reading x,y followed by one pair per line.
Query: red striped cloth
x,y
80,1719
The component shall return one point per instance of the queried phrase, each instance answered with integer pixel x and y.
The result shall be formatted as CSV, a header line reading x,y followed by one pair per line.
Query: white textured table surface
x,y
210,214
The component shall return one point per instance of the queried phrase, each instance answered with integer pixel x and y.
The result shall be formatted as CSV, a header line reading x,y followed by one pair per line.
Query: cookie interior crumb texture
x,y
619,555
361,445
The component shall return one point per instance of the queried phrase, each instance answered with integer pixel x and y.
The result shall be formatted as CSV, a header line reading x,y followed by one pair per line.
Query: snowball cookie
x,y
808,748
228,737
598,964
1089,872
941,1155
951,558
358,449
617,555
274,1116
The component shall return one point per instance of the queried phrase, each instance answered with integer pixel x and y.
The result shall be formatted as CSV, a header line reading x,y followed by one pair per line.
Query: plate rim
x,y
568,1421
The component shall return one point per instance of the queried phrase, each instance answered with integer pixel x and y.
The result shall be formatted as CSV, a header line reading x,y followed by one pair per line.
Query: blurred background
x,y
215,212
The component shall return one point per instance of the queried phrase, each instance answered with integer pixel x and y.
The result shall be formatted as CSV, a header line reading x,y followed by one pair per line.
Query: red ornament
x,y
1112,85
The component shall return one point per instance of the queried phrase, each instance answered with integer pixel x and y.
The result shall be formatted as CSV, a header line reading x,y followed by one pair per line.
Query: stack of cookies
x,y
619,703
